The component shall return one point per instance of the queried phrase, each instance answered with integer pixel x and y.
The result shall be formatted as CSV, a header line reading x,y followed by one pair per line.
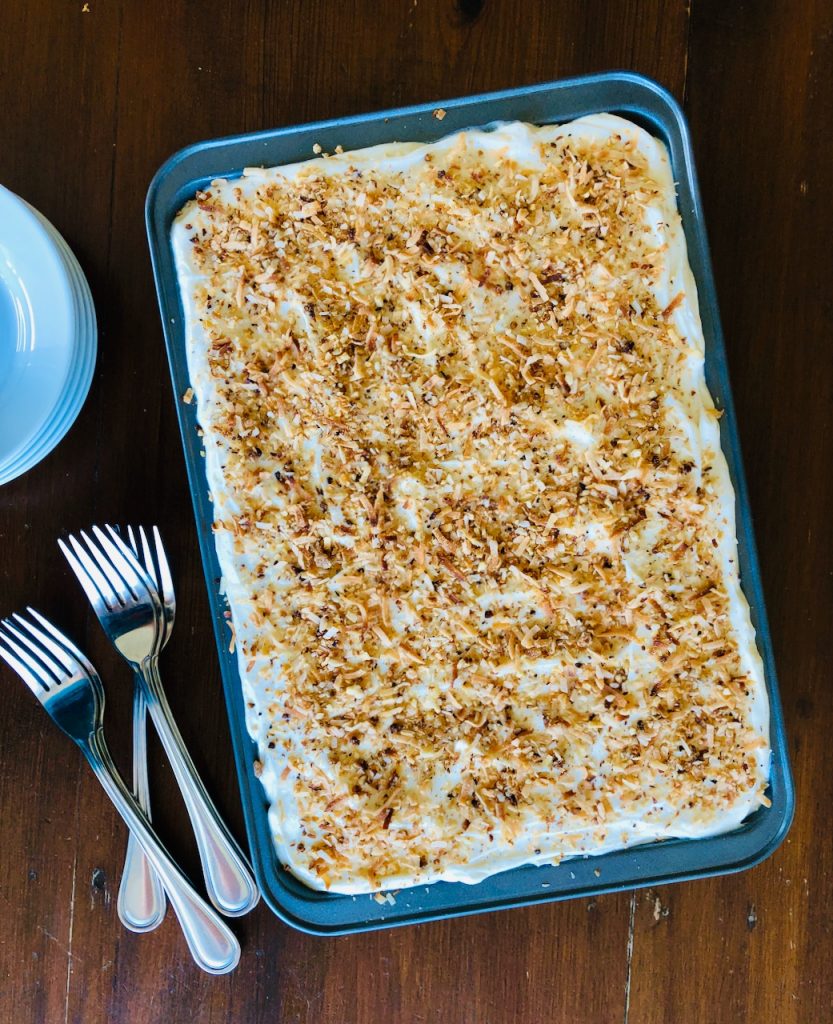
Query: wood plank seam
x,y
70,930
629,955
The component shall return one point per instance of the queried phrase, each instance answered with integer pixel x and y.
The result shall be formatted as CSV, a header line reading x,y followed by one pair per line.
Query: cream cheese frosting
x,y
476,528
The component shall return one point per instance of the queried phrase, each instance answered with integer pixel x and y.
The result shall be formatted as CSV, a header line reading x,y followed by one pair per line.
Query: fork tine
x,y
87,572
111,574
67,661
64,641
37,668
124,561
167,588
130,542
57,670
149,561
7,654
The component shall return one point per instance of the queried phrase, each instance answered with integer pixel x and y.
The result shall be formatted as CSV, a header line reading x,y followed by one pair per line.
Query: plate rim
x,y
52,291
81,370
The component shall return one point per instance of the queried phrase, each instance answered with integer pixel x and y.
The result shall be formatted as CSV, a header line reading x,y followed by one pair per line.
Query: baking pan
x,y
652,107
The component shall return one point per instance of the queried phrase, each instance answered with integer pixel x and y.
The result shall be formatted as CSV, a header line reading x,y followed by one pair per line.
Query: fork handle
x,y
141,902
209,938
228,878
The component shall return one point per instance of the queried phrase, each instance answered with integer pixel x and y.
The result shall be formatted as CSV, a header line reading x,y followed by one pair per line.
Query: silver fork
x,y
141,902
128,606
70,691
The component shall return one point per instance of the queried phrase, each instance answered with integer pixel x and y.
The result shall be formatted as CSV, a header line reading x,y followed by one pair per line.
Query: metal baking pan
x,y
649,105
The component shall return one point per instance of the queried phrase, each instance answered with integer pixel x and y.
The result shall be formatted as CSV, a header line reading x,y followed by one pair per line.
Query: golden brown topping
x,y
482,560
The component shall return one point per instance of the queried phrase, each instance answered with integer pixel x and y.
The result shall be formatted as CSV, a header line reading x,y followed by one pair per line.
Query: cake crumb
x,y
439,113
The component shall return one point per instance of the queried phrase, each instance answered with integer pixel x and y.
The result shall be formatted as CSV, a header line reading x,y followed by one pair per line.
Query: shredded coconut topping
x,y
472,511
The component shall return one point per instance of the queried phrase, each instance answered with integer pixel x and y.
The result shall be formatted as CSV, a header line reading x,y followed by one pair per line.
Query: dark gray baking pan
x,y
649,105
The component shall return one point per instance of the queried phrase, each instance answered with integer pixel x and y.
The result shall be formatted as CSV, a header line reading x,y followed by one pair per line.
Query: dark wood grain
x,y
758,947
91,102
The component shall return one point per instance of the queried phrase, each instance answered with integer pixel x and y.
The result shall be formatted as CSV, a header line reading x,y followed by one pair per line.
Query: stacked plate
x,y
47,337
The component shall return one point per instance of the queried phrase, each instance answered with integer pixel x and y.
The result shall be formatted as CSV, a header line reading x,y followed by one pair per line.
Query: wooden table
x,y
93,97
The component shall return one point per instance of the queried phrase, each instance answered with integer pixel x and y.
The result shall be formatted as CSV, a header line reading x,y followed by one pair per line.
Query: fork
x,y
141,902
128,606
70,691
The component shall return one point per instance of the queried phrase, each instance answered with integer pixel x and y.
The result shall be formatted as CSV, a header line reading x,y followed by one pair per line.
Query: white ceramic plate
x,y
80,377
47,337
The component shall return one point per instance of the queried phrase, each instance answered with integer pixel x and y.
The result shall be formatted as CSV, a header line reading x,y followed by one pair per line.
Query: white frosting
x,y
698,434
